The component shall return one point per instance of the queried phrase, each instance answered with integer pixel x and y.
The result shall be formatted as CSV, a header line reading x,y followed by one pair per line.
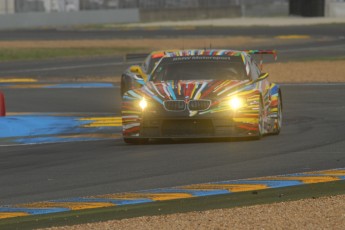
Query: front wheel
x,y
136,141
261,123
279,120
125,84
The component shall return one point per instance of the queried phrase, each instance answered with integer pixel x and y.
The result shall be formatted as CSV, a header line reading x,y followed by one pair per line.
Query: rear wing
x,y
262,52
273,52
135,56
140,56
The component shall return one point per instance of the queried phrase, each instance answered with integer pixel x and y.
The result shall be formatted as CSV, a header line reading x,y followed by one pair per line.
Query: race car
x,y
203,94
2,105
136,75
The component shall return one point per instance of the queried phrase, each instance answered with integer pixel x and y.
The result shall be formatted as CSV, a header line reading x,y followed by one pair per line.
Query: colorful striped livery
x,y
203,94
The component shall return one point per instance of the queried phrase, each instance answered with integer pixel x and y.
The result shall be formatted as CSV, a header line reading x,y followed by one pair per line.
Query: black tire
x,y
136,141
279,117
261,122
125,84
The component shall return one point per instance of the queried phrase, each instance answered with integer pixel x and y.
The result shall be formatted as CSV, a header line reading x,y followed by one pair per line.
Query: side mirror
x,y
135,69
263,76
138,72
138,77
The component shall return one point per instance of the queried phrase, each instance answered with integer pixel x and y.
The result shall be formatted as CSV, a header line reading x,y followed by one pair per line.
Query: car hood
x,y
194,90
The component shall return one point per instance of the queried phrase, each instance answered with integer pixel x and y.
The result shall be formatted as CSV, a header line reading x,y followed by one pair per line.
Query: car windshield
x,y
199,70
152,64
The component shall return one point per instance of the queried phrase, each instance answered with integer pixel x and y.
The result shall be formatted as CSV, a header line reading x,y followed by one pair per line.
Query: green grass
x,y
16,54
177,206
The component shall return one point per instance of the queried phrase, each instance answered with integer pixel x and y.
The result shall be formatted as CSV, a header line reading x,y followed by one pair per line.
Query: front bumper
x,y
193,128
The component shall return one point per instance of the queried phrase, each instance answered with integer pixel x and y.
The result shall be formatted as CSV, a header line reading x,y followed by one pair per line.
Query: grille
x,y
178,105
199,104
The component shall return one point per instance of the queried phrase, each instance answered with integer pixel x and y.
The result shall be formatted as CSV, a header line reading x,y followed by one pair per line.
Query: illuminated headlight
x,y
143,103
236,103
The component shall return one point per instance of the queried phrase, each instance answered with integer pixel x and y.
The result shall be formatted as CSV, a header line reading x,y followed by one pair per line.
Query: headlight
x,y
236,103
143,103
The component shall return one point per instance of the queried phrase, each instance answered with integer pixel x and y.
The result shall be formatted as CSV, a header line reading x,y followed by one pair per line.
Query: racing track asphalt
x,y
312,136
327,41
333,30
312,139
71,68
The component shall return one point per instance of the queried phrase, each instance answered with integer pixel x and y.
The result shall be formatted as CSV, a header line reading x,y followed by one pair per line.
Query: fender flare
x,y
125,84
129,81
